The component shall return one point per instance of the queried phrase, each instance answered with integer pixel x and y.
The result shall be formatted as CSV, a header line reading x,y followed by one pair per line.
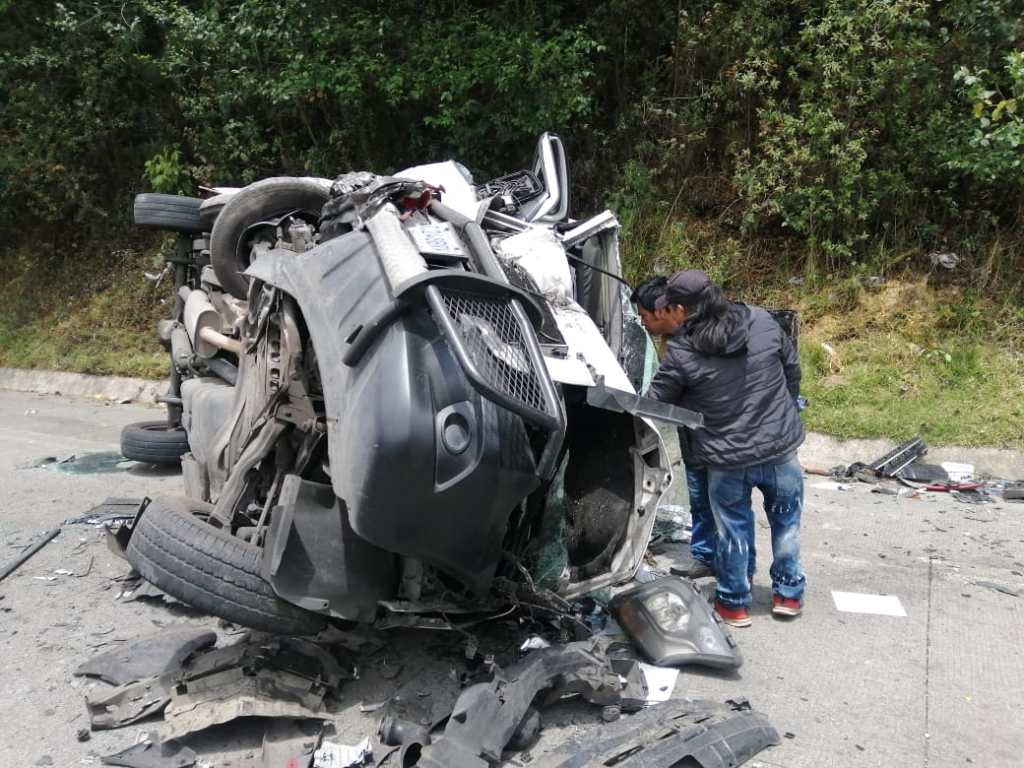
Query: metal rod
x,y
14,564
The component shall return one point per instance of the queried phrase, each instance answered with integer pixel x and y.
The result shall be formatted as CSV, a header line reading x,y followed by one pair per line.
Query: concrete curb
x,y
119,388
819,451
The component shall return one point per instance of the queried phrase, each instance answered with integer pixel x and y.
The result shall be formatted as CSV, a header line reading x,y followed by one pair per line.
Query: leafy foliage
x,y
845,127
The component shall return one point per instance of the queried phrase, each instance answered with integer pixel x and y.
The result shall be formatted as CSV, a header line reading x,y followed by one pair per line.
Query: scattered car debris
x,y
892,463
148,657
486,715
972,496
272,677
672,624
151,754
685,732
997,588
279,677
111,510
101,462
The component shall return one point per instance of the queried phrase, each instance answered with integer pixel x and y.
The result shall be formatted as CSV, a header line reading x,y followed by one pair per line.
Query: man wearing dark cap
x,y
702,521
734,364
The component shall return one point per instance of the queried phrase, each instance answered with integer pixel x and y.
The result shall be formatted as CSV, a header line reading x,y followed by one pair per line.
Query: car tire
x,y
211,208
209,569
154,442
257,202
172,213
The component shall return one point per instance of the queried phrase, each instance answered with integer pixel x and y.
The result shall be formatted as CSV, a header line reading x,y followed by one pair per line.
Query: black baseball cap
x,y
684,287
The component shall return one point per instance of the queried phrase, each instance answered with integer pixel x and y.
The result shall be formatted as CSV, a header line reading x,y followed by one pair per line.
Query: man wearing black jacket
x,y
734,364
703,534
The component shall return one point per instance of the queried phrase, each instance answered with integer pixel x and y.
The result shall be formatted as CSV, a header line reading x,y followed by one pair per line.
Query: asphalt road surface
x,y
937,687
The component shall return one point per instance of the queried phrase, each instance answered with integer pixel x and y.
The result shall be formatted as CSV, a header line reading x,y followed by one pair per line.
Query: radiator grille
x,y
494,343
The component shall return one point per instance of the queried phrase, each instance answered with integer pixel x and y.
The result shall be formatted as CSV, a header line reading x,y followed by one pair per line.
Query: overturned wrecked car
x,y
398,400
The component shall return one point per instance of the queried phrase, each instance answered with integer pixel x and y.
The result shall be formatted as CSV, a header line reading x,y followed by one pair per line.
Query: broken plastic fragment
x,y
661,682
331,755
534,643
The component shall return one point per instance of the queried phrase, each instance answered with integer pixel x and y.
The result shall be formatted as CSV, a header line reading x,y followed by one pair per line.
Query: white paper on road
x,y
661,682
859,602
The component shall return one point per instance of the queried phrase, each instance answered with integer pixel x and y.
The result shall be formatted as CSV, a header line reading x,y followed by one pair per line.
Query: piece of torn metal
x,y
149,657
486,715
672,624
150,754
227,695
128,703
687,732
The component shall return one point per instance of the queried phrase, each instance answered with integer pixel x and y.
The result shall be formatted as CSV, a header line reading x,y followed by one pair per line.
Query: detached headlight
x,y
668,610
672,624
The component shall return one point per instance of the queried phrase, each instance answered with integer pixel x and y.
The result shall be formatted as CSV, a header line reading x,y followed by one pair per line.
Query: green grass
x,y
88,312
912,359
974,398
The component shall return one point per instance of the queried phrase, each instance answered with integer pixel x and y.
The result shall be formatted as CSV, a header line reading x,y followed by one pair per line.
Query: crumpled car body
x,y
406,427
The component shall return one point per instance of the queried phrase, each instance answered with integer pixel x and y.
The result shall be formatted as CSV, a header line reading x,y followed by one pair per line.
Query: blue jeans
x,y
703,531
782,486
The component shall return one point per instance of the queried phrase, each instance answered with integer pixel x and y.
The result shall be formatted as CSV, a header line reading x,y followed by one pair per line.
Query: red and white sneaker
x,y
786,607
734,617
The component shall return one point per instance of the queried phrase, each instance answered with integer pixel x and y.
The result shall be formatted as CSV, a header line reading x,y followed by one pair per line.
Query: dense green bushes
x,y
848,127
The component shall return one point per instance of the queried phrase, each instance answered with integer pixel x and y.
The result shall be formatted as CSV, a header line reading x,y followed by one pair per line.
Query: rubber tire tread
x,y
173,213
211,208
259,201
153,442
209,569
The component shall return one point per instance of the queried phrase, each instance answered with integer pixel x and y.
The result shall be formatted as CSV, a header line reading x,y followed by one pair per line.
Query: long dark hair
x,y
711,322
